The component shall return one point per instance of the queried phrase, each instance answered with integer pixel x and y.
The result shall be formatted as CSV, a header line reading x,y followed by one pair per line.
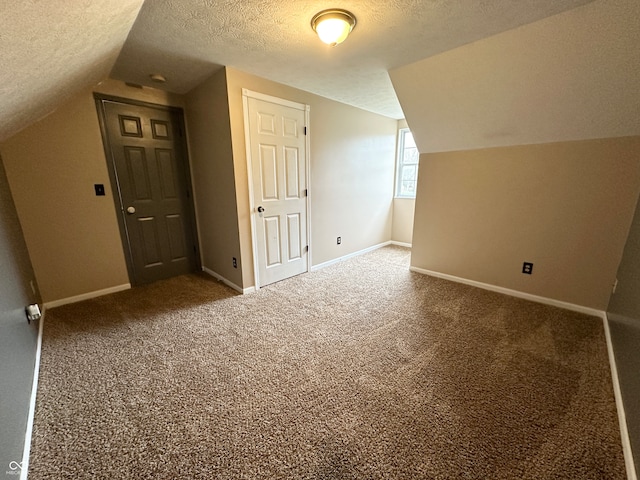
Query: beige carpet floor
x,y
362,370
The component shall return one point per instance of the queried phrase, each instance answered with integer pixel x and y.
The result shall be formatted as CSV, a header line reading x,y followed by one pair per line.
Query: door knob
x,y
260,209
131,210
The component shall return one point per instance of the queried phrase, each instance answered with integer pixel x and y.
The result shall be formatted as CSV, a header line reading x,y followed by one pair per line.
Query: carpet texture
x,y
362,370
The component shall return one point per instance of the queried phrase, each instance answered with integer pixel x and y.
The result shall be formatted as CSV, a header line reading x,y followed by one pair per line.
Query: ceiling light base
x,y
333,25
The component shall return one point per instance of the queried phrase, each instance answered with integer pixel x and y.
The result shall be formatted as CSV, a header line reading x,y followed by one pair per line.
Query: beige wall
x,y
71,234
145,94
625,302
352,168
403,212
213,177
572,76
566,207
541,123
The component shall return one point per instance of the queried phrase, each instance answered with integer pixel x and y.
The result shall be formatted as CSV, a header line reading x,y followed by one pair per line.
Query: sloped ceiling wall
x,y
572,76
529,146
186,40
50,50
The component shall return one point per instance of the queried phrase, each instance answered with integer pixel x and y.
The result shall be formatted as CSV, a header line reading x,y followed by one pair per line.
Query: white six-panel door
x,y
278,174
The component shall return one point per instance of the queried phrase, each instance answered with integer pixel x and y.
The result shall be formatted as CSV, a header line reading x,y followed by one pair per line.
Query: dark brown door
x,y
146,148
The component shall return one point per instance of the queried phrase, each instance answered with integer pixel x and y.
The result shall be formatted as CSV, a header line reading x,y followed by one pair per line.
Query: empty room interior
x,y
411,252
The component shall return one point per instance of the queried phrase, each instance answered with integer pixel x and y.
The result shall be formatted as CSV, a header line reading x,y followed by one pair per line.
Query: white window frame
x,y
400,163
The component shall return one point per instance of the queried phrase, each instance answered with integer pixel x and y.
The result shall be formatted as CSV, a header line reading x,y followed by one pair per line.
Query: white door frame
x,y
246,94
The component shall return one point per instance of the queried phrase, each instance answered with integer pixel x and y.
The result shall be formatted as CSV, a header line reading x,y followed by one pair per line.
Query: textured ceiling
x,y
187,40
51,49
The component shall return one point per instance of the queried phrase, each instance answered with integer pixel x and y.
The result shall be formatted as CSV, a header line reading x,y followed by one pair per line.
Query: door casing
x,y
99,97
246,94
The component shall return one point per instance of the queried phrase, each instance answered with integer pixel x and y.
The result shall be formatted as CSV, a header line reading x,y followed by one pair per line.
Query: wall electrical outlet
x,y
339,241
235,262
527,268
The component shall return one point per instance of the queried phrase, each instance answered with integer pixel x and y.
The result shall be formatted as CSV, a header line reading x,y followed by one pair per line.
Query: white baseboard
x,y
622,418
513,293
624,433
32,401
87,296
227,282
400,244
347,257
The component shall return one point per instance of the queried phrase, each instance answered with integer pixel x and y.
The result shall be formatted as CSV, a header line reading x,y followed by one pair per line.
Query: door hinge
x,y
306,249
305,130
306,192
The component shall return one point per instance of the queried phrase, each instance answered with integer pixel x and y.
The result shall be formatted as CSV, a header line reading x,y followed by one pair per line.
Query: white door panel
x,y
295,238
278,163
269,172
292,172
272,241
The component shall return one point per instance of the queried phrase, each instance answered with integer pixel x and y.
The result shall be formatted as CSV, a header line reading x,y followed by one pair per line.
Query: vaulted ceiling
x,y
572,76
49,50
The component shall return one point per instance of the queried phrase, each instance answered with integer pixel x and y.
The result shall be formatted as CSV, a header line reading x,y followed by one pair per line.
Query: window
x,y
407,168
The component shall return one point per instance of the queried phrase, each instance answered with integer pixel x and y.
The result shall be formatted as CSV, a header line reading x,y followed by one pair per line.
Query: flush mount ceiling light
x,y
333,25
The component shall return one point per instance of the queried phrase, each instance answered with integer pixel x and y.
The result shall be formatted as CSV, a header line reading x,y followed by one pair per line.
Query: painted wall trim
x,y
512,293
624,433
87,296
350,255
271,99
246,95
400,244
24,469
617,393
227,282
247,148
